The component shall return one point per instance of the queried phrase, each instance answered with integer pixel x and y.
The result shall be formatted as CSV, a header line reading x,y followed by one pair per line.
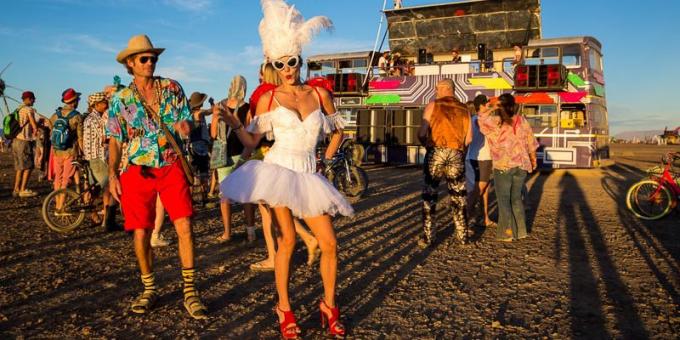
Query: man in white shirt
x,y
478,166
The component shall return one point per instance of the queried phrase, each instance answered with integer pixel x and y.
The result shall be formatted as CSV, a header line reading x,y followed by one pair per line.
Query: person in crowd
x,y
396,65
42,148
23,147
95,151
478,165
157,239
199,140
234,105
455,57
384,64
445,131
67,140
269,80
294,115
513,151
151,115
518,57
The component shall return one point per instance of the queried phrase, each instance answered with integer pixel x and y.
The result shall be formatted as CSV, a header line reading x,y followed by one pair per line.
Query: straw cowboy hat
x,y
196,100
138,44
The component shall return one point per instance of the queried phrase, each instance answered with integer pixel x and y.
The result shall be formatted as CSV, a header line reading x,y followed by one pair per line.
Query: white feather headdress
x,y
284,31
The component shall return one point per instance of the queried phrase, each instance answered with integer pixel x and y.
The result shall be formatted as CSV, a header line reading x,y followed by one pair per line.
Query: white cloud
x,y
190,5
180,73
79,44
95,43
97,69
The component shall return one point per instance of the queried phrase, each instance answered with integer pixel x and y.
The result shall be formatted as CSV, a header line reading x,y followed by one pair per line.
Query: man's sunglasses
x,y
146,58
292,62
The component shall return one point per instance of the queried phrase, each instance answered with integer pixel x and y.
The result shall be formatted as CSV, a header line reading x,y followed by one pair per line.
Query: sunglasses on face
x,y
147,58
292,62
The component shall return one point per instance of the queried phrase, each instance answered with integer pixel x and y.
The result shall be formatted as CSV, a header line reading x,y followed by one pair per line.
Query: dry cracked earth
x,y
589,269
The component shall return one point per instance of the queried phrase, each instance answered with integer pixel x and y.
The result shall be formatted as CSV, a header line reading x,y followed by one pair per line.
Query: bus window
x,y
508,66
541,116
363,126
359,63
345,64
571,56
475,66
595,60
398,131
572,116
542,56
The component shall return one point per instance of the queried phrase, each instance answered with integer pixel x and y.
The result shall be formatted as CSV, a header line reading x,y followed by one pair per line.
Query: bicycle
x,y
343,172
77,204
657,196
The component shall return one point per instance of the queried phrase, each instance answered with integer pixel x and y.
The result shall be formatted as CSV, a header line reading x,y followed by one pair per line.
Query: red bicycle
x,y
655,197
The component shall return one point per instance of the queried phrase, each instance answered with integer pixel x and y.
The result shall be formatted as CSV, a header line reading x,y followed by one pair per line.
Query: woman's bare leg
x,y
323,230
306,236
283,219
484,190
225,210
267,230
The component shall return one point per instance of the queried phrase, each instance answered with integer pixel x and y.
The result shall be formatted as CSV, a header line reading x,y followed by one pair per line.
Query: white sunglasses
x,y
292,62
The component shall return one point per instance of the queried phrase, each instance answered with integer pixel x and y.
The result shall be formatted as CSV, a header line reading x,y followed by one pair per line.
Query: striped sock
x,y
149,282
188,276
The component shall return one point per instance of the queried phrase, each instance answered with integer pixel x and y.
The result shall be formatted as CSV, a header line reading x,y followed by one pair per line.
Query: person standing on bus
x,y
384,64
445,131
513,151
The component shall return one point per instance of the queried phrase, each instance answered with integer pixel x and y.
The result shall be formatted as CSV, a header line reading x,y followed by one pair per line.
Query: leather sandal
x,y
195,307
144,302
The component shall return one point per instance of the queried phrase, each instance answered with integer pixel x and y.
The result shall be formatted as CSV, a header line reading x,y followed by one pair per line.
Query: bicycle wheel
x,y
353,184
648,200
66,219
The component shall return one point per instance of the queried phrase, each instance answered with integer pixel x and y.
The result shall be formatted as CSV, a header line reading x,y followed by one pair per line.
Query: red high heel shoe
x,y
332,316
288,326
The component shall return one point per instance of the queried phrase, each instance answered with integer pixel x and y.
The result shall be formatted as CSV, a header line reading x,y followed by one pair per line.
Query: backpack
x,y
10,124
61,136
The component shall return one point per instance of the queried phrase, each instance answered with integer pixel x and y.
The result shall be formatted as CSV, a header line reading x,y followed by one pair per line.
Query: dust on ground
x,y
588,269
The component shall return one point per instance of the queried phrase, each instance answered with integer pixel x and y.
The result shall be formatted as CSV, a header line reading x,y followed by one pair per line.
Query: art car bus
x,y
558,83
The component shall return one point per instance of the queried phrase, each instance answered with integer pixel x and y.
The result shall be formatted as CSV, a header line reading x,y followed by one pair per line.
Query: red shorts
x,y
138,200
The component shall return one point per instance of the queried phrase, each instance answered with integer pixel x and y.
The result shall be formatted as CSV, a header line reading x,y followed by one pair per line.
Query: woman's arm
x,y
217,116
468,136
250,140
336,135
489,125
424,131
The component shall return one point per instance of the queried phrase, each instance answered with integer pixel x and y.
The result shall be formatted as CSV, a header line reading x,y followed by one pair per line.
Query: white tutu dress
x,y
287,176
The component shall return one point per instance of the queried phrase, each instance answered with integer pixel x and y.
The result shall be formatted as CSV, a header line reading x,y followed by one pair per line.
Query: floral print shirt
x,y
510,144
94,135
129,123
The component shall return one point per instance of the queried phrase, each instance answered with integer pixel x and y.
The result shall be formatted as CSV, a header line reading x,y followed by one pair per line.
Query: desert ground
x,y
589,269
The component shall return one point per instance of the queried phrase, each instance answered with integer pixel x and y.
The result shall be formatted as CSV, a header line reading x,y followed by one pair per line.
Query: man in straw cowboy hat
x,y
150,115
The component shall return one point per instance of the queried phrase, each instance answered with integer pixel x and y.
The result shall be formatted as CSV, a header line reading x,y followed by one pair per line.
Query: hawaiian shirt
x,y
94,135
129,123
510,144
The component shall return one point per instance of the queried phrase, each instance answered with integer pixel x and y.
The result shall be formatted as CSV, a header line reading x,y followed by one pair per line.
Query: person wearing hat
x,y
200,140
94,151
151,115
66,150
23,146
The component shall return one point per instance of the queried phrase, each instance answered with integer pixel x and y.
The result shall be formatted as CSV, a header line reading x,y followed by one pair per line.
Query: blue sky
x,y
55,44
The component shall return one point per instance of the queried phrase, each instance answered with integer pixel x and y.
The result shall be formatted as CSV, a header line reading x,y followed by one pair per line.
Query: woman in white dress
x,y
295,116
